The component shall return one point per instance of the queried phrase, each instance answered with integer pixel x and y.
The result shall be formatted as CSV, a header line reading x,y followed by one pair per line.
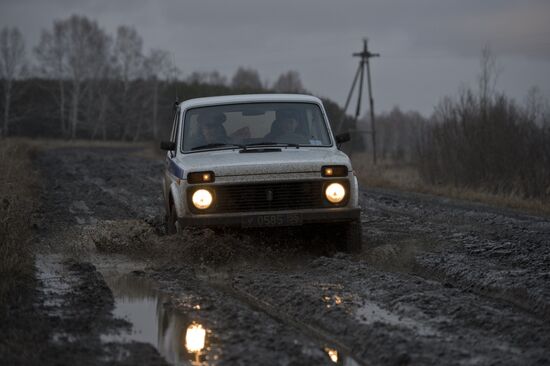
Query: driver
x,y
211,130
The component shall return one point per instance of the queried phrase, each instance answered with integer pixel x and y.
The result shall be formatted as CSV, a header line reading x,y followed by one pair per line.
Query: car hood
x,y
288,160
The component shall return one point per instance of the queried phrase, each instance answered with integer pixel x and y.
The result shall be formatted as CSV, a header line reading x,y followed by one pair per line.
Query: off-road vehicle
x,y
259,161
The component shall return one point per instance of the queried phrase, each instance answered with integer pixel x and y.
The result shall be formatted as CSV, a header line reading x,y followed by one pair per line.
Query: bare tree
x,y
101,93
76,49
535,106
197,77
487,79
128,53
129,60
100,84
215,78
12,63
289,82
51,54
209,77
247,79
158,67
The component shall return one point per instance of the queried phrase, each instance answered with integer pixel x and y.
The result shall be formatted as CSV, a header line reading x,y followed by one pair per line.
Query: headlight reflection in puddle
x,y
332,353
195,338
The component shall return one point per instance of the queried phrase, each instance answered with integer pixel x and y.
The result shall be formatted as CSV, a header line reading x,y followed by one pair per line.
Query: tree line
x,y
85,83
484,140
480,139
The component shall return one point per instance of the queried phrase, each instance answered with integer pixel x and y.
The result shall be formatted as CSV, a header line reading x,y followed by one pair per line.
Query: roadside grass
x,y
18,199
404,177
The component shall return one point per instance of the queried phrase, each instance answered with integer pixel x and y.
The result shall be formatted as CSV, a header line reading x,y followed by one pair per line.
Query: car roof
x,y
249,98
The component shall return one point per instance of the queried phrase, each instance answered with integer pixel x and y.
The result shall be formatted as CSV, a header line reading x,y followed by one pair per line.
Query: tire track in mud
x,y
407,319
406,256
322,337
449,263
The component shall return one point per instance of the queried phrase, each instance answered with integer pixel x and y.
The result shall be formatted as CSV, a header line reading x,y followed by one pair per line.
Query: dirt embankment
x,y
438,282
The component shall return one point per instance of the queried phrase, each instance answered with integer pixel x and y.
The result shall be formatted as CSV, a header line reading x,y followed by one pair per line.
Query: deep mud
x,y
438,281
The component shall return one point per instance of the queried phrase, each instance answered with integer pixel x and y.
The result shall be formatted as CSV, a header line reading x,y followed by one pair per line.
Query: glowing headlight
x,y
335,192
194,338
202,199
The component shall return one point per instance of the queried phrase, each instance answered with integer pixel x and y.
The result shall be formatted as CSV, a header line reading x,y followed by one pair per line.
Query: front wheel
x,y
172,225
344,236
353,235
349,237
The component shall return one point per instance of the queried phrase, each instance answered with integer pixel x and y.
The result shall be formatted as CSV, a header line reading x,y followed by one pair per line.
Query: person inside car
x,y
284,131
211,129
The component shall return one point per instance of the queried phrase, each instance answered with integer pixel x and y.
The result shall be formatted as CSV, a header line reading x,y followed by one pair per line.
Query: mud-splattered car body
x,y
259,161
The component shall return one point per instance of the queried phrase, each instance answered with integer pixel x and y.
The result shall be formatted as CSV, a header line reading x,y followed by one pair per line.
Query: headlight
x,y
202,199
335,192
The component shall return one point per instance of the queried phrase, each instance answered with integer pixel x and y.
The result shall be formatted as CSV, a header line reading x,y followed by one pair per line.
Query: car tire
x,y
172,226
350,237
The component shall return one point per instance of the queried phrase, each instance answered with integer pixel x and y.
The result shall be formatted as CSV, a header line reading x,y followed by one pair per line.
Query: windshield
x,y
263,124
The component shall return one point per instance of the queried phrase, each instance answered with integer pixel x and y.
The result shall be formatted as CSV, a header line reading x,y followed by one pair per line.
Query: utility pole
x,y
365,55
371,101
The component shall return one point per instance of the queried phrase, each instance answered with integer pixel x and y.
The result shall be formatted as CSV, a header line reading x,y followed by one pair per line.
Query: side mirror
x,y
168,145
343,137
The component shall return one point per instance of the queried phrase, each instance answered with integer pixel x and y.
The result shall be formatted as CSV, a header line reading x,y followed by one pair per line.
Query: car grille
x,y
268,196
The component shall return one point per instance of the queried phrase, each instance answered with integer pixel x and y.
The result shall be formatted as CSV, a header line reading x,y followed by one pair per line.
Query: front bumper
x,y
325,215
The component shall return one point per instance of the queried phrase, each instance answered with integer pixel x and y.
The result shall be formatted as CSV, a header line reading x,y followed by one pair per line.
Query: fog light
x,y
200,177
202,199
335,193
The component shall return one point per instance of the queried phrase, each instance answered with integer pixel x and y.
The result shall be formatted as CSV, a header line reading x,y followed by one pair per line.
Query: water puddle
x,y
55,283
370,313
178,338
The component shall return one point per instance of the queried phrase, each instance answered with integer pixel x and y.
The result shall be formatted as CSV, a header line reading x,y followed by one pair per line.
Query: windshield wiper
x,y
217,144
266,143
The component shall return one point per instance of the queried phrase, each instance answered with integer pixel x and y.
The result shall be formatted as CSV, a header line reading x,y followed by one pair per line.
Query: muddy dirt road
x,y
439,282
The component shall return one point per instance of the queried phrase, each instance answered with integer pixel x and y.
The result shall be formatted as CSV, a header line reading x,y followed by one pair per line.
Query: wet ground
x,y
438,281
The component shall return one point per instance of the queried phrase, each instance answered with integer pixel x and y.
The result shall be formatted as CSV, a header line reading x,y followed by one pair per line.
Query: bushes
x,y
487,144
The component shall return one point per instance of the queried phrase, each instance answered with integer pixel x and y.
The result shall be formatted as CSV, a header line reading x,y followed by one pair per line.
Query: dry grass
x,y
386,173
18,198
405,177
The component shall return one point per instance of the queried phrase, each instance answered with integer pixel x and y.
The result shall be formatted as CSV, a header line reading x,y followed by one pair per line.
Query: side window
x,y
175,129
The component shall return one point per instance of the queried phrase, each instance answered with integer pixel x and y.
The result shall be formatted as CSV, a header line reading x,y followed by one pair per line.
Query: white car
x,y
259,160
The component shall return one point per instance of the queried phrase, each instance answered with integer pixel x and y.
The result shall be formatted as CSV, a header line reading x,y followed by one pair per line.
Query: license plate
x,y
272,220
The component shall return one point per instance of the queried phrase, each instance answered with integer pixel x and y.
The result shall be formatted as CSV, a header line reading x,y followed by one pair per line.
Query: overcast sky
x,y
429,48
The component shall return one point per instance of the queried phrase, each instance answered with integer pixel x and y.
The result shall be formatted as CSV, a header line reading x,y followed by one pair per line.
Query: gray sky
x,y
429,48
